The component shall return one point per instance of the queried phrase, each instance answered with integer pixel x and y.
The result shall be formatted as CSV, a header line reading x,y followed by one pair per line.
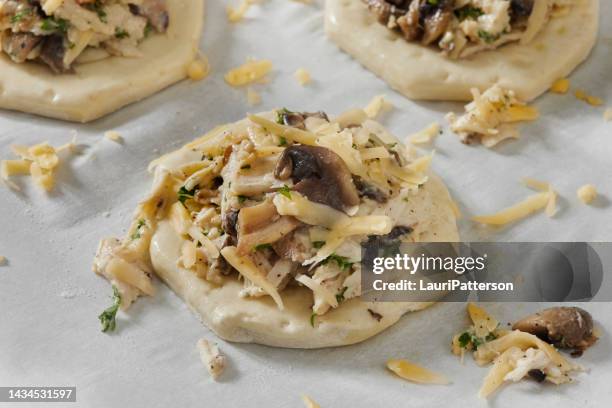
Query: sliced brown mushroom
x,y
370,191
409,23
298,119
295,246
52,53
435,19
520,9
19,45
565,327
154,11
319,174
383,9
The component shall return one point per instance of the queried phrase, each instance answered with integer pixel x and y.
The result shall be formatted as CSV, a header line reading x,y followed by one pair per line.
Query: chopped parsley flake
x,y
281,114
282,141
340,296
107,317
138,233
318,244
342,261
312,319
468,12
120,33
487,36
20,15
184,194
286,191
242,199
52,24
261,247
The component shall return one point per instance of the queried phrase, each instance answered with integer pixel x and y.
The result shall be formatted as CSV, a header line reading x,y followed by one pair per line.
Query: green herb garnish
x,y
282,141
342,261
107,317
261,247
468,12
52,24
312,319
318,244
138,233
184,194
281,114
285,190
242,198
121,33
20,15
487,36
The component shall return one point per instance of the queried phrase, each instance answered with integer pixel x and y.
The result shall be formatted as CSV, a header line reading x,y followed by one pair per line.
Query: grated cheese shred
x,y
248,73
415,373
587,193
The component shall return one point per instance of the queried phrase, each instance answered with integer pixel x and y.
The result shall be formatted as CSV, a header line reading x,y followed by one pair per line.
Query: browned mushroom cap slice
x,y
384,9
154,11
565,327
319,174
19,45
297,119
521,8
409,23
435,19
370,191
52,53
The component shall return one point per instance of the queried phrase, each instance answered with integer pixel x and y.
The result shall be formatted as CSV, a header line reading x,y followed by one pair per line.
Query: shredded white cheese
x,y
302,76
308,402
114,136
377,105
587,193
211,357
426,135
198,69
39,161
560,86
250,72
491,117
2,260
415,373
518,211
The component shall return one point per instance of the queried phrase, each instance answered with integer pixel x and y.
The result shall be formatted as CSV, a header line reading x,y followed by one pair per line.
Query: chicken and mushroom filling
x,y
460,28
279,200
57,32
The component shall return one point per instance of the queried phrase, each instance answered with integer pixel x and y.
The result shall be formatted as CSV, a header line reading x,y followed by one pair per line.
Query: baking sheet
x,y
49,332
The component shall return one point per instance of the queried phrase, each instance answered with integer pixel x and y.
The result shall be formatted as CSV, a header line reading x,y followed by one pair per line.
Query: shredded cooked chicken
x,y
57,32
460,28
279,200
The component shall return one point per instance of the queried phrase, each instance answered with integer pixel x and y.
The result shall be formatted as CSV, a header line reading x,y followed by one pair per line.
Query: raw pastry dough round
x,y
104,86
420,72
258,320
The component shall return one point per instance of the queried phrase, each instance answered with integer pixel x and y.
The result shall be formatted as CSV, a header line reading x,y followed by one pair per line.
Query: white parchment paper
x,y
50,299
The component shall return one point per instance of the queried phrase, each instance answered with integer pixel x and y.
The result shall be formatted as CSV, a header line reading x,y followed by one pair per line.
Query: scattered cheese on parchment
x,y
309,403
248,73
426,135
590,99
302,76
587,193
415,373
211,357
198,69
39,161
560,86
376,106
2,260
114,136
